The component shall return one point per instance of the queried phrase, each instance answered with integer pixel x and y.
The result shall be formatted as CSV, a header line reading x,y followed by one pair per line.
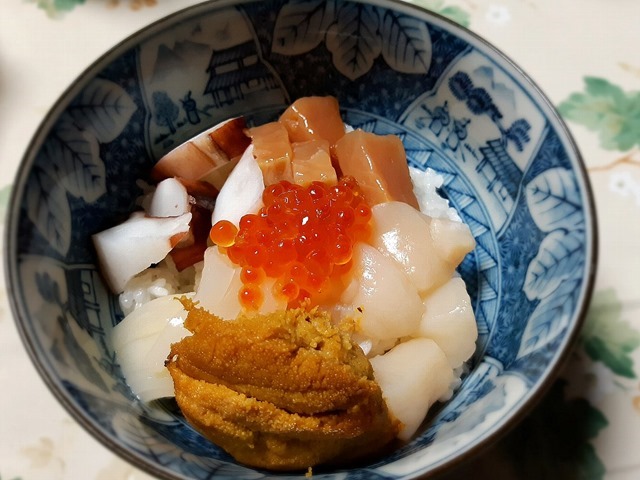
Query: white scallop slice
x,y
413,375
449,320
452,240
380,296
402,233
428,250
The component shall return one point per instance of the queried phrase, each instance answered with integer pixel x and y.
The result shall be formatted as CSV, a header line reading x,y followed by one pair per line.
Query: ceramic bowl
x,y
460,106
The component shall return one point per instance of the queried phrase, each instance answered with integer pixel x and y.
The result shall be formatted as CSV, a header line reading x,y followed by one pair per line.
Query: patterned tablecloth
x,y
584,55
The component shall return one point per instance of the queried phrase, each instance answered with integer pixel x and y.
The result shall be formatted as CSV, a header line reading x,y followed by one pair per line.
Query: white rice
x,y
159,281
425,185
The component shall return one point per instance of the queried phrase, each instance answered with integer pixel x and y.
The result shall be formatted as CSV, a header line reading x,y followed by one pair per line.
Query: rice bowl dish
x,y
325,249
507,164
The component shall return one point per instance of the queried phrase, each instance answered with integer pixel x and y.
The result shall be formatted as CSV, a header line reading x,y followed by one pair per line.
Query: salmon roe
x,y
223,233
302,237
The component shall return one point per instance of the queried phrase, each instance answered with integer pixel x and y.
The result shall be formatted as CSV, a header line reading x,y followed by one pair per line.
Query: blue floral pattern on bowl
x,y
460,107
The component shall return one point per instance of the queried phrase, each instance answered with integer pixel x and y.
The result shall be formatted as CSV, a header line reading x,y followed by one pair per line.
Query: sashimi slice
x,y
312,162
132,246
449,320
313,118
170,199
242,192
413,376
219,277
428,250
379,163
214,148
272,151
220,285
379,291
142,341
452,240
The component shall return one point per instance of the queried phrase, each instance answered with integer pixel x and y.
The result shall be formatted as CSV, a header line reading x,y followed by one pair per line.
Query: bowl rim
x,y
499,430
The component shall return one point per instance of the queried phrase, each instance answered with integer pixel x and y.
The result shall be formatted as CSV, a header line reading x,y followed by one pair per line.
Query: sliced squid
x,y
142,341
242,192
170,199
220,280
209,156
127,249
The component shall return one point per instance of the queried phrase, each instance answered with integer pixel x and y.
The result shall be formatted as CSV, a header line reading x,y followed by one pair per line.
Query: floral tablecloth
x,y
584,55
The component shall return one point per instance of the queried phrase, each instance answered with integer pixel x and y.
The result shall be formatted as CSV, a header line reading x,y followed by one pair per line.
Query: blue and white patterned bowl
x,y
461,108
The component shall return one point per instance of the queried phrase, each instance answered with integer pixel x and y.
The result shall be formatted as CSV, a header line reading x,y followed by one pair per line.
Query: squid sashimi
x,y
170,199
140,343
210,155
219,286
242,192
129,248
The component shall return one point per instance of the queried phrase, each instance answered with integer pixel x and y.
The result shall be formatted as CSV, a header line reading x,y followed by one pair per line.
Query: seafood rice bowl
x,y
241,248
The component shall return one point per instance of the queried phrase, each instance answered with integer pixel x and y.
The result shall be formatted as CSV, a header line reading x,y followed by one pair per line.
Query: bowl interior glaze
x,y
461,108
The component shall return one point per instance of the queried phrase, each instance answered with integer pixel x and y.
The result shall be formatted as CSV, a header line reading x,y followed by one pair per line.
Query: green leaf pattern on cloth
x,y
452,12
575,424
5,193
607,338
607,109
54,8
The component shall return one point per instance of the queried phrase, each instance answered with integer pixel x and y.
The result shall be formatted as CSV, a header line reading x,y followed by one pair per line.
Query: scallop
x,y
378,292
428,250
413,375
449,320
452,240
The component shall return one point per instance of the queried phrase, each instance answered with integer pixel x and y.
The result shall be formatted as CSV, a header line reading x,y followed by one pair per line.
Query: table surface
x,y
584,56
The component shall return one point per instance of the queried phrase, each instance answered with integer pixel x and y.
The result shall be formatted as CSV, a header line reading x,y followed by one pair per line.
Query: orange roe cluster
x,y
303,238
